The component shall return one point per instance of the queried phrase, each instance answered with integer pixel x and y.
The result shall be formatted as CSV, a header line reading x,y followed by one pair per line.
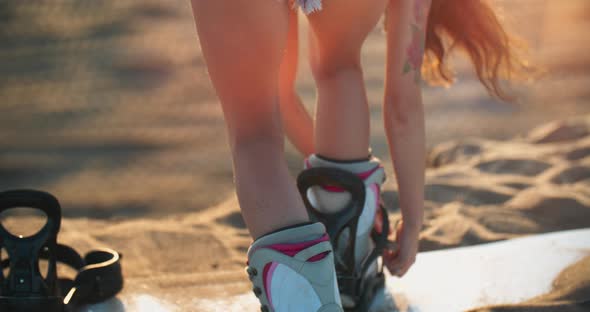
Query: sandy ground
x,y
107,105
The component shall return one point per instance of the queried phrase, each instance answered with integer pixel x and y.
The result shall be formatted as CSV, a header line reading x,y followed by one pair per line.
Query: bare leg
x,y
342,113
243,42
297,122
342,126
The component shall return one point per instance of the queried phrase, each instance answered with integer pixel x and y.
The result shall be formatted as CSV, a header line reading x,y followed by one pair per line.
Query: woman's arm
x,y
403,114
297,123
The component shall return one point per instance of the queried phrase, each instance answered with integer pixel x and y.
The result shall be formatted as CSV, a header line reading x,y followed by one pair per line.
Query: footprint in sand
x,y
525,167
552,207
572,175
517,185
578,153
560,131
445,193
451,152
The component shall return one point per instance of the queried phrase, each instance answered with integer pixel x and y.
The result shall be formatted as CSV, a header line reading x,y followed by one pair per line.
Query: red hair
x,y
473,27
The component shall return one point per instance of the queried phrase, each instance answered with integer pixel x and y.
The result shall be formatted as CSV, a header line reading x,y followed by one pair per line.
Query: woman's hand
x,y
402,255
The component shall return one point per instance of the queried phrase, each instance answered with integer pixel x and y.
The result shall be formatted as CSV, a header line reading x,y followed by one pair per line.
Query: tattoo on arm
x,y
415,51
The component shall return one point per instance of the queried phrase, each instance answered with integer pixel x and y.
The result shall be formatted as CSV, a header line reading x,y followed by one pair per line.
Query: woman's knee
x,y
254,134
332,53
330,66
336,46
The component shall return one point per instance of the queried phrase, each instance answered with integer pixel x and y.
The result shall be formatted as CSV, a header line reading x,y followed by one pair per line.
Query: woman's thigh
x,y
243,42
338,31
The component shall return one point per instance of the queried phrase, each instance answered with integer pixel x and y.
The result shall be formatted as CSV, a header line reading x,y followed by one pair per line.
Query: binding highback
x,y
24,286
24,289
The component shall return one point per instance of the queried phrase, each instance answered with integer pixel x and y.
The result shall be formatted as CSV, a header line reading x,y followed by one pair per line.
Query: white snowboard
x,y
447,280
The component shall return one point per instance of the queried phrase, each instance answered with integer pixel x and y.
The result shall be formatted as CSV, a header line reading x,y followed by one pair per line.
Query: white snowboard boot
x,y
346,197
292,270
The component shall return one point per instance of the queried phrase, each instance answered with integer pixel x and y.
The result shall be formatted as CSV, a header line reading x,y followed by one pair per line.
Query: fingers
x,y
405,266
379,221
401,254
397,263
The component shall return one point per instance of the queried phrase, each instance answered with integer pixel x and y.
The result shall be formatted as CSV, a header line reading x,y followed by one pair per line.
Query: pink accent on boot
x,y
362,175
292,249
267,275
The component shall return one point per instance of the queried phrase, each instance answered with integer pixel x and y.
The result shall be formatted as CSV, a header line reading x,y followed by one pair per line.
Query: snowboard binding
x,y
24,288
355,283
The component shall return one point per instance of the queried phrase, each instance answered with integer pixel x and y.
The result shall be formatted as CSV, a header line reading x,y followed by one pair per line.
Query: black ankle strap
x,y
25,289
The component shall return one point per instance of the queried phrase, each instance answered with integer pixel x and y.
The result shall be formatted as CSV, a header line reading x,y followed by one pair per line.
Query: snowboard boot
x,y
346,197
292,270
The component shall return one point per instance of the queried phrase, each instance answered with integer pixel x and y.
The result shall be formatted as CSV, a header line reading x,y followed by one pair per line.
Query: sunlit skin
x,y
415,51
403,118
244,61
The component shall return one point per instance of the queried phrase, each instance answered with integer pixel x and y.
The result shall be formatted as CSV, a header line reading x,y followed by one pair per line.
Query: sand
x,y
108,106
506,189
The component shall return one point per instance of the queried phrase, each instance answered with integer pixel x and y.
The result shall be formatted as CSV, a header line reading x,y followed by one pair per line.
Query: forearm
x,y
297,123
403,110
406,139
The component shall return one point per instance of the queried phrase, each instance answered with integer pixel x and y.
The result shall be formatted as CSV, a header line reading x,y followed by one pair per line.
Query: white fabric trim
x,y
307,6
292,292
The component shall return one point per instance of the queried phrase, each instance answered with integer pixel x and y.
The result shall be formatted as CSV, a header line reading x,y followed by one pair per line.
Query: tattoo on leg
x,y
415,51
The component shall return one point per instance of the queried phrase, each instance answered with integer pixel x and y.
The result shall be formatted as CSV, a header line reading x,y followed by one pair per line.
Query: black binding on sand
x,y
25,289
351,279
